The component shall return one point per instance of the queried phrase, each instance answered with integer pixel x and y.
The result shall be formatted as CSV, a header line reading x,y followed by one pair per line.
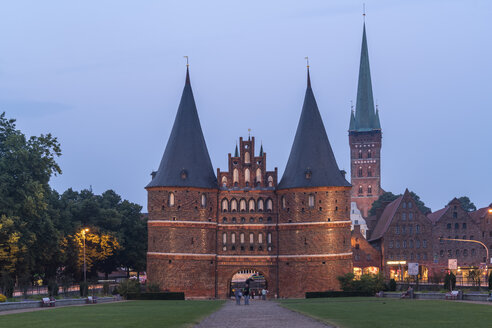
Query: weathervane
x,y
364,11
249,133
307,61
187,64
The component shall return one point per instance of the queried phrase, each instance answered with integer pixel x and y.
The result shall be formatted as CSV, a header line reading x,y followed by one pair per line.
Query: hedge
x,y
155,296
336,294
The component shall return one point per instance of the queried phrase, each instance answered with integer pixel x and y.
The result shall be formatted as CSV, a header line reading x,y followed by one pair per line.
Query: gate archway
x,y
254,278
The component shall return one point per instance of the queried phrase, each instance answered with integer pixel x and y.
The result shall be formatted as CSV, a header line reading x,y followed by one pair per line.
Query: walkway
x,y
259,314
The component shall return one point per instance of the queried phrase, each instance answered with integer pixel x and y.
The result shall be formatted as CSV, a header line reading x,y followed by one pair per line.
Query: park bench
x,y
48,302
91,300
453,295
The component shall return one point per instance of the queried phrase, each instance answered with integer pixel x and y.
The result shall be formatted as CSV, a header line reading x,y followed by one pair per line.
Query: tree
x,y
420,203
466,204
383,200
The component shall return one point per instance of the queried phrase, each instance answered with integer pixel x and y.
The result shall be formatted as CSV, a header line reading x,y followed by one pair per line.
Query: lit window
x,y
360,153
171,199
311,200
359,172
260,238
369,154
247,158
251,205
233,238
369,189
283,202
251,238
204,200
269,238
224,238
241,237
360,189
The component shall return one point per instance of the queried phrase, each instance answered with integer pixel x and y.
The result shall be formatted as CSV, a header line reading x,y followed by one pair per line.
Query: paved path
x,y
259,314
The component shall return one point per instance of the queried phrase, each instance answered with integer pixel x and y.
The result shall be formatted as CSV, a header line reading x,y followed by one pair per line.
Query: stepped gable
x,y
186,162
311,162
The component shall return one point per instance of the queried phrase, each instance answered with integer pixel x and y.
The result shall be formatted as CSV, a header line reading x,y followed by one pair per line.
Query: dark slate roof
x,y
311,152
366,119
385,219
186,162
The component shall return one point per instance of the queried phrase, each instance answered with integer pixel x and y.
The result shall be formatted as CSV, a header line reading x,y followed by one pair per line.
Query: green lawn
x,y
125,314
377,312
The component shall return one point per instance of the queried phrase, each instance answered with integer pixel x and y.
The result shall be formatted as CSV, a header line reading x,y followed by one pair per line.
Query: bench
x,y
453,295
91,300
48,302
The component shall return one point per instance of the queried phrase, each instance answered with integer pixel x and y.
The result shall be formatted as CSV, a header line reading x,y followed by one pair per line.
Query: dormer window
x,y
184,174
308,174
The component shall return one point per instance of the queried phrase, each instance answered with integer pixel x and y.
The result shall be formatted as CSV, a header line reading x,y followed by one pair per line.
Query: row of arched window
x,y
230,238
246,206
404,229
458,252
360,173
369,189
243,220
405,256
369,154
247,178
408,244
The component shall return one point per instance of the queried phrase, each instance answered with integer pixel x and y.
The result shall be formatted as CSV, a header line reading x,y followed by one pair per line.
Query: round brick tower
x,y
182,206
313,206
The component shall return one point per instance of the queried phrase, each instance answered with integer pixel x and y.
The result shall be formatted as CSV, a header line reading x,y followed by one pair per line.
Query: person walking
x,y
246,294
237,295
264,293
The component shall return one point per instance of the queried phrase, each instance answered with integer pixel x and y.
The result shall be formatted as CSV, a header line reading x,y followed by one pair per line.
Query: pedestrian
x,y
264,293
237,295
246,294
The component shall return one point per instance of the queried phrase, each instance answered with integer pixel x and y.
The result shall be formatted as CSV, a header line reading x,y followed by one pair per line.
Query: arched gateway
x,y
295,233
255,280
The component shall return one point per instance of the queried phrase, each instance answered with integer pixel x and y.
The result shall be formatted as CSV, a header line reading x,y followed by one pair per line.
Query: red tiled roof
x,y
436,216
386,218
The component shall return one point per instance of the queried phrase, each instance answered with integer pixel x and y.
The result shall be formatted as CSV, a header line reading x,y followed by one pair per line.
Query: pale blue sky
x,y
106,77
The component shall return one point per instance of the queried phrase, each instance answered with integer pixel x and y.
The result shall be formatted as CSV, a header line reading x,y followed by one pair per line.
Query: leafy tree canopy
x,y
388,197
467,204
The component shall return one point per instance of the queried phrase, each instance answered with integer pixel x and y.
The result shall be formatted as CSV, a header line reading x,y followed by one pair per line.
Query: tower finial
x,y
308,76
187,71
351,105
364,11
249,134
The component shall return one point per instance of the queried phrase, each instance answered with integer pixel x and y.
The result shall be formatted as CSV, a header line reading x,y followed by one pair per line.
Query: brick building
x,y
367,259
204,230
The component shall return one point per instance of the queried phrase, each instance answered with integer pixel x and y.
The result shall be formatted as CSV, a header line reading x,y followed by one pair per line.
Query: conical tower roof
x,y
311,162
186,162
365,116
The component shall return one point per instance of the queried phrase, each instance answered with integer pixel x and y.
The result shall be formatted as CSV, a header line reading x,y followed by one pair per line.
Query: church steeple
x,y
186,162
366,118
311,162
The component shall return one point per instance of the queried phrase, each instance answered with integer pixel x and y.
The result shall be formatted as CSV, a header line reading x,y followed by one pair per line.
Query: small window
x,y
269,205
258,175
260,205
233,238
360,189
369,154
404,205
456,226
441,253
410,216
424,243
369,171
251,238
369,189
409,205
397,230
410,244
225,205
171,199
204,200
455,215
270,181
397,244
247,158
464,225
241,237
359,172
260,238
465,252
224,238
269,238
417,228
391,244
473,252
360,154
224,182
404,244
247,176
242,205
403,216
233,205
417,244
311,200
251,205
284,205
448,226
235,176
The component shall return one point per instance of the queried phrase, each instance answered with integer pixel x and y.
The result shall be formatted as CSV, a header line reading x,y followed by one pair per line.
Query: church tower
x,y
182,206
314,199
365,140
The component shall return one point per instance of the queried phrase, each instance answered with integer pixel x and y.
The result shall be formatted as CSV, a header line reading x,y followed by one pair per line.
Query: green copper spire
x,y
365,116
236,152
352,121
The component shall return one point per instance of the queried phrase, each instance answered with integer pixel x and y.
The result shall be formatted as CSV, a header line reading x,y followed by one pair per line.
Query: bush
x,y
392,285
106,288
128,286
84,289
3,298
336,294
368,283
155,296
152,287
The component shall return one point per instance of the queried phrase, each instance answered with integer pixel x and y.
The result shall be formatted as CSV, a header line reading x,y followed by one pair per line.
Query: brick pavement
x,y
259,314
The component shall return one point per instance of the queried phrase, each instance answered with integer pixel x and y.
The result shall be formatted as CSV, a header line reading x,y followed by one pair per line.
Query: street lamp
x,y
84,231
